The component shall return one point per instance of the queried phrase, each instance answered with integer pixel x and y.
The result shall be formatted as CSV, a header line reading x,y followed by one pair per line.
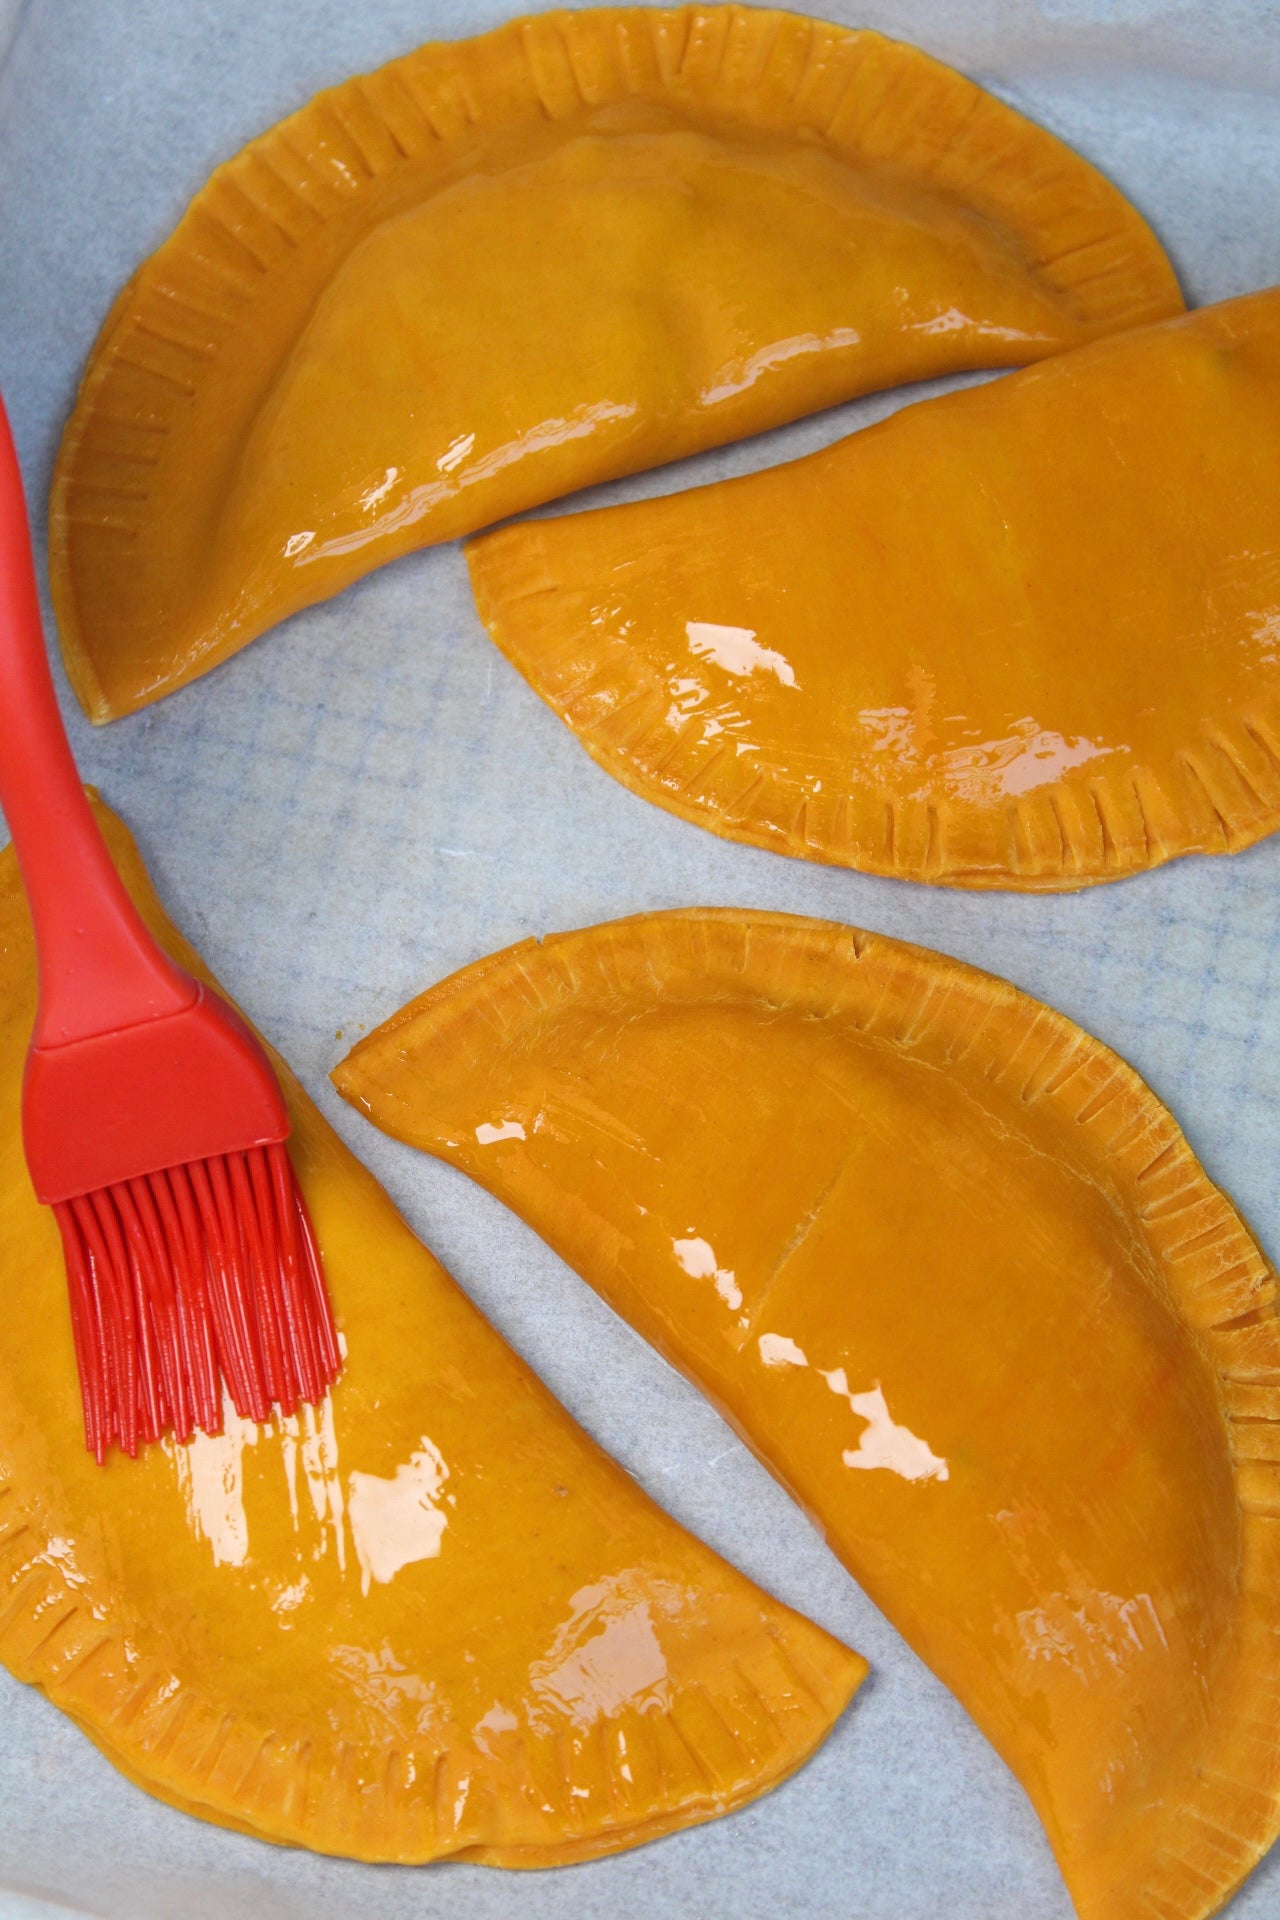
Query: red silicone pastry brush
x,y
153,1123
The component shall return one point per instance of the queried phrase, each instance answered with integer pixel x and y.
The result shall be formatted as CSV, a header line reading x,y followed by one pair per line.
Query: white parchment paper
x,y
371,797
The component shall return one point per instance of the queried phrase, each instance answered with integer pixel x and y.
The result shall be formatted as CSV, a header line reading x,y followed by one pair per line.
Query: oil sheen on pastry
x,y
1023,636
500,270
432,1619
954,1273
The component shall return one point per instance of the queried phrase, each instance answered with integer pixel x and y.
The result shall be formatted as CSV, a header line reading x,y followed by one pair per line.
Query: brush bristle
x,y
189,1280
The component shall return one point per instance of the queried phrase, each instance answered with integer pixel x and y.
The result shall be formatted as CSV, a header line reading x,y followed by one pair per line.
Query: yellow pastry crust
x,y
1024,636
954,1273
430,1620
497,271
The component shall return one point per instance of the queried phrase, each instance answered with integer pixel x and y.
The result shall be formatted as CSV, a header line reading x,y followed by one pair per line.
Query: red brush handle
x,y
100,970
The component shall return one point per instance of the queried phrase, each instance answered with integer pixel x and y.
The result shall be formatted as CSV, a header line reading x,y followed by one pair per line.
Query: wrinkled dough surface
x,y
631,292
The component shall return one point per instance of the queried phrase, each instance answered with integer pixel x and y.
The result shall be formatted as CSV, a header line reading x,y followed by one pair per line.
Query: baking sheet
x,y
372,797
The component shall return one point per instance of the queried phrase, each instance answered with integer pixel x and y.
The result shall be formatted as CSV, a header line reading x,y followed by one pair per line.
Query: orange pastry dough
x,y
1023,636
497,271
952,1270
431,1619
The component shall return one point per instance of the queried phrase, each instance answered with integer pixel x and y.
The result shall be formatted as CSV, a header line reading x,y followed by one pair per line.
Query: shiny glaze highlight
x,y
954,1273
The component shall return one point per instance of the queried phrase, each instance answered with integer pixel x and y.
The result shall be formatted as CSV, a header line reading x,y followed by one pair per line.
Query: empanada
x,y
1024,636
433,1619
496,271
954,1273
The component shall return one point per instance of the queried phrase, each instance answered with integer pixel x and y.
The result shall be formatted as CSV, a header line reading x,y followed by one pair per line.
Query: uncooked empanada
x,y
432,1619
1023,636
497,271
952,1270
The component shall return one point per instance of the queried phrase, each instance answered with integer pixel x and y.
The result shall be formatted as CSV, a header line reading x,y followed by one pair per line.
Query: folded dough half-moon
x,y
499,270
955,1274
1023,636
431,1620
